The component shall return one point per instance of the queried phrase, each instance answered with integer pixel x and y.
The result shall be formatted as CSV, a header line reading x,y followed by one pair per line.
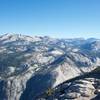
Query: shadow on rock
x,y
37,85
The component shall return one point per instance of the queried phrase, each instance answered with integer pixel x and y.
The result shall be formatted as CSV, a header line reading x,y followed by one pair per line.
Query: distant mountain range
x,y
30,66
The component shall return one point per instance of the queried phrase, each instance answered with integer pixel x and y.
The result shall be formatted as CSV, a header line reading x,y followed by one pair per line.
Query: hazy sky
x,y
57,18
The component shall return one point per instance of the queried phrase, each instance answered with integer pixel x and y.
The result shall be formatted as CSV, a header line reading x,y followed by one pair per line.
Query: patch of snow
x,y
10,70
57,52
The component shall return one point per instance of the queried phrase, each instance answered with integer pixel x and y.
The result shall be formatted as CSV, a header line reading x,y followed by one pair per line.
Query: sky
x,y
55,18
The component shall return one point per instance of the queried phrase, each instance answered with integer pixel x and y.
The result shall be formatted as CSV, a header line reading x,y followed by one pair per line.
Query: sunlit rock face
x,y
80,88
31,65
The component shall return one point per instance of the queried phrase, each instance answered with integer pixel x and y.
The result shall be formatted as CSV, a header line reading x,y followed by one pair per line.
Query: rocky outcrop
x,y
82,88
12,88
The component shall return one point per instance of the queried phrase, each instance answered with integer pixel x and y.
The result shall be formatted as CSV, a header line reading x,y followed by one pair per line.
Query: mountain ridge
x,y
33,64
